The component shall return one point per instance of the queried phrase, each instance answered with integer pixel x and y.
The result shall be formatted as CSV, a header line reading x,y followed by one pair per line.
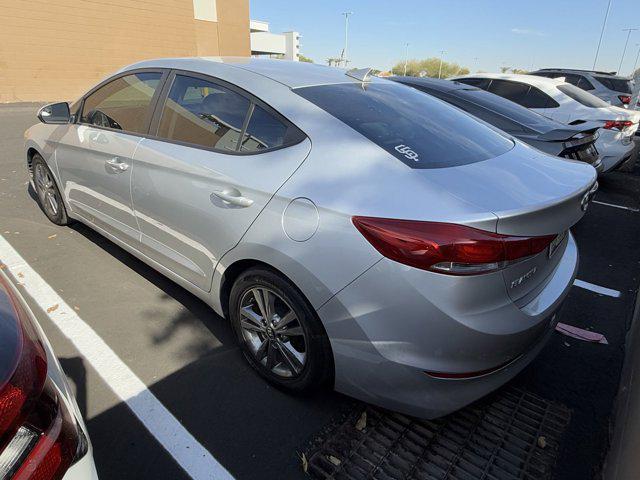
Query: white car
x,y
566,103
42,434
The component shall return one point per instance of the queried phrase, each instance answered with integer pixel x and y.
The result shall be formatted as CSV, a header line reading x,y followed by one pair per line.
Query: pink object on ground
x,y
581,334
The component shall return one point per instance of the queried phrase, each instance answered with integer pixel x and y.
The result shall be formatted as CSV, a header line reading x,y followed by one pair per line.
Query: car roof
x,y
577,70
540,82
434,83
289,73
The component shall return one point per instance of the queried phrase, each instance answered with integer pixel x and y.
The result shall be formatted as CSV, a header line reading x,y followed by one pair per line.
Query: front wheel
x,y
279,333
49,197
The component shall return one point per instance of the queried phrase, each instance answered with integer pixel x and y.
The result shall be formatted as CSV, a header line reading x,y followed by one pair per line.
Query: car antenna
x,y
361,74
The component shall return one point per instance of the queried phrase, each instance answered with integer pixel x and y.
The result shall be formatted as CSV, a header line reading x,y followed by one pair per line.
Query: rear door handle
x,y
231,196
117,164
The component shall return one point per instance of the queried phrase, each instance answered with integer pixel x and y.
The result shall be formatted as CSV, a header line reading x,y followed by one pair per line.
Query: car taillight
x,y
625,99
618,124
39,438
445,247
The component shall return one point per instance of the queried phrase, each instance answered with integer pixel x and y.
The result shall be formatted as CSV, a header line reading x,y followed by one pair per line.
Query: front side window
x,y
203,113
122,104
415,128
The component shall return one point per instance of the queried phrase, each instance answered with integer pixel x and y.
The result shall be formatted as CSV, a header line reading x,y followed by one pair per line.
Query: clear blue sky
x,y
523,34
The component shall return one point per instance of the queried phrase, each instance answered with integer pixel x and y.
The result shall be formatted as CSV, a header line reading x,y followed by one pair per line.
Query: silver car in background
x,y
356,232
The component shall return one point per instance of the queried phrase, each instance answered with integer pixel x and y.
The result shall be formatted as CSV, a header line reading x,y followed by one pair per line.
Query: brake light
x,y
23,385
39,438
445,247
618,124
625,99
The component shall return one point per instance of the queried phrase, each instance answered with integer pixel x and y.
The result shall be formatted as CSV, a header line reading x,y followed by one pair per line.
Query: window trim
x,y
150,110
299,134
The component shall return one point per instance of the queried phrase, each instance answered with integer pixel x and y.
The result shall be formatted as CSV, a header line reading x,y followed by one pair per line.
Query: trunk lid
x,y
532,194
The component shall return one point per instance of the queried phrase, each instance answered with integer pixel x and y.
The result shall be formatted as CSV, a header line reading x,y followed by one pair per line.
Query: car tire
x,y
49,197
308,342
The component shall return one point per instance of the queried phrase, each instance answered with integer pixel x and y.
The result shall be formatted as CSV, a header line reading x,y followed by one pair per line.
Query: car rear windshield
x,y
512,110
414,127
580,96
615,84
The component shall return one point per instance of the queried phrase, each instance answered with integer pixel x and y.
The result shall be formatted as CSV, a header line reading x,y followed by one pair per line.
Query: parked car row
x,y
356,232
570,105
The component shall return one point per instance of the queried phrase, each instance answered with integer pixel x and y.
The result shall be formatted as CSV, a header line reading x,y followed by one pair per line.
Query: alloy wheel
x,y
46,190
272,331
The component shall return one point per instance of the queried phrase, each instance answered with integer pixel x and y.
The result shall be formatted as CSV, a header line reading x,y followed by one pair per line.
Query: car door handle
x,y
232,196
117,164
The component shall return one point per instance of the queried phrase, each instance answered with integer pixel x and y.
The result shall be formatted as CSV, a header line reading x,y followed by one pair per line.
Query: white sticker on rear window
x,y
407,152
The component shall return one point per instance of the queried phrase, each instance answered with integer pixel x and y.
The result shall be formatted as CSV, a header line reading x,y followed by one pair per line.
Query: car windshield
x,y
580,96
511,110
616,84
417,129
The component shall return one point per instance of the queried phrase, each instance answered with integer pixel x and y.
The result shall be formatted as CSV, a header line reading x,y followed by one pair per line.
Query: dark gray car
x,y
532,128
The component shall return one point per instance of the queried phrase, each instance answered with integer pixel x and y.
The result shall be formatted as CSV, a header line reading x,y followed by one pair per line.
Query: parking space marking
x,y
194,459
596,288
615,206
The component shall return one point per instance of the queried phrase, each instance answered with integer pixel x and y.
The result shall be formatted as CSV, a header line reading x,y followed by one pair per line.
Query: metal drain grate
x,y
511,435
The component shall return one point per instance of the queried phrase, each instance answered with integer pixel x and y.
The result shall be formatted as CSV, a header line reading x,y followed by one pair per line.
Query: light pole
x,y
346,37
440,69
628,30
604,24
635,64
406,57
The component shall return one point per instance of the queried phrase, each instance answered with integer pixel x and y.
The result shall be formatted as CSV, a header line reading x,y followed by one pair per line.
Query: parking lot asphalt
x,y
187,357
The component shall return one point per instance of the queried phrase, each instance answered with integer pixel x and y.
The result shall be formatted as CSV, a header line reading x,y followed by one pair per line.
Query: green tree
x,y
429,67
302,58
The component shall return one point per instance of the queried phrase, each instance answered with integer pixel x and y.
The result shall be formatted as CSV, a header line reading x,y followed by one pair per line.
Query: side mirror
x,y
56,113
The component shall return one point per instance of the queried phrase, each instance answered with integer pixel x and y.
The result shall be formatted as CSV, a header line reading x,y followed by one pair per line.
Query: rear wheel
x,y
279,333
49,196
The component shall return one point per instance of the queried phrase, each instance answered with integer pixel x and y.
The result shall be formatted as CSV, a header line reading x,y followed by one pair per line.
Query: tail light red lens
x,y
445,247
617,124
39,438
625,99
24,380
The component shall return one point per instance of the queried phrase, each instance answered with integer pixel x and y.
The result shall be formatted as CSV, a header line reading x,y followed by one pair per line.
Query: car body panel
x,y
184,226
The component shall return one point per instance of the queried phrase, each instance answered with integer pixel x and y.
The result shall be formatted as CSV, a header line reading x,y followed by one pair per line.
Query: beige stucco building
x,y
57,49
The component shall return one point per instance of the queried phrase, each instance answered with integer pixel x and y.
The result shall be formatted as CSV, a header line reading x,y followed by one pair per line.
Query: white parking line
x,y
615,206
596,288
196,461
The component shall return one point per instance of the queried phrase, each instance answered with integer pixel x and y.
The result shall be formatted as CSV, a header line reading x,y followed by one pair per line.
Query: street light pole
x,y
635,64
604,24
628,30
346,37
440,69
406,58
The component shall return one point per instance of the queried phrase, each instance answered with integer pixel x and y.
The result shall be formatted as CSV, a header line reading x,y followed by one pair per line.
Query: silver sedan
x,y
356,232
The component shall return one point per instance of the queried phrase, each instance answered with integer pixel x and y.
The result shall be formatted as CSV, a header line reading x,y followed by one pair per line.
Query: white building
x,y
263,42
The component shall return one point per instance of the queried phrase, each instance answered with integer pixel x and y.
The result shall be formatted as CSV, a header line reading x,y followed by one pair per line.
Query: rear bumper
x,y
613,150
394,323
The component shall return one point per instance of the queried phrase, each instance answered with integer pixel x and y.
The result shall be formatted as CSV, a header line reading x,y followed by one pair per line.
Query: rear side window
x,y
616,84
263,131
526,95
122,104
203,113
582,97
415,128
